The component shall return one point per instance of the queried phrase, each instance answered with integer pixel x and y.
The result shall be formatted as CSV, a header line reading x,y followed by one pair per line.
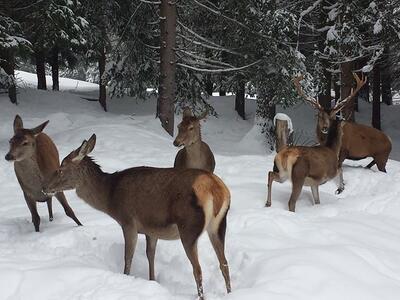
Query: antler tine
x,y
314,102
360,83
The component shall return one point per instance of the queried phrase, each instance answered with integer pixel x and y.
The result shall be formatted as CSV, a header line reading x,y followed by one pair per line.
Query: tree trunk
x,y
40,70
240,100
222,92
325,98
336,87
345,89
9,66
376,97
209,85
102,86
55,69
167,87
386,79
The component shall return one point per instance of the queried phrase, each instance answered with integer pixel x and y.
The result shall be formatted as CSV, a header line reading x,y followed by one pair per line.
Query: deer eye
x,y
190,128
25,144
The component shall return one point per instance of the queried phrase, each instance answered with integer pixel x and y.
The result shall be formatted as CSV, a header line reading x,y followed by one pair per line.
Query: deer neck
x,y
95,185
194,149
334,137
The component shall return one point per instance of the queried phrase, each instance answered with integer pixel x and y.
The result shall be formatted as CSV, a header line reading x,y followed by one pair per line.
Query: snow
x,y
284,117
378,27
348,247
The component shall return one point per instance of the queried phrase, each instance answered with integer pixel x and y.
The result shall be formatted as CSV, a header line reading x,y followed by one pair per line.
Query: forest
x,y
199,149
186,50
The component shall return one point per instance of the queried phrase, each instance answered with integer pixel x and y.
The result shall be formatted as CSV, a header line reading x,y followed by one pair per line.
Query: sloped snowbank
x,y
346,248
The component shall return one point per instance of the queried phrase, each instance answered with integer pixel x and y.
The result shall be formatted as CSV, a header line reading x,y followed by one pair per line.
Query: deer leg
x,y
341,182
189,233
217,238
381,163
272,176
315,193
33,209
68,210
151,243
370,165
50,208
130,237
299,173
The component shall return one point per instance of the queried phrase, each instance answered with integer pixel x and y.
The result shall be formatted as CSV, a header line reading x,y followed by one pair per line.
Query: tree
x,y
11,42
167,87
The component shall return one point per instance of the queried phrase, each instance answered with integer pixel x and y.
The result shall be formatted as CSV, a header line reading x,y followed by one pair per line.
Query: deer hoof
x,y
339,191
50,219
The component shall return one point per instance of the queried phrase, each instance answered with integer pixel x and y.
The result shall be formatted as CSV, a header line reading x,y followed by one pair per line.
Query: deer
x,y
195,154
161,203
310,165
357,141
35,157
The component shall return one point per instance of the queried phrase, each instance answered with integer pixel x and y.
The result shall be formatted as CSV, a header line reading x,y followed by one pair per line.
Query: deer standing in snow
x,y
357,141
35,157
196,154
160,203
310,166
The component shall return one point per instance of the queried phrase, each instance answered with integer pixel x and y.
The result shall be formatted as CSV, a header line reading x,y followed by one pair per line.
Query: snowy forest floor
x,y
348,247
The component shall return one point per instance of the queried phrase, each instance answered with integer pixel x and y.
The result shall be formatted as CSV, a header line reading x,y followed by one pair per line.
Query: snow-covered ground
x,y
348,247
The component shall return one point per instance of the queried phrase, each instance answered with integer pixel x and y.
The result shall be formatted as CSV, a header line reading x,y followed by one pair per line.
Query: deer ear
x,y
79,153
187,112
38,129
90,144
203,115
18,124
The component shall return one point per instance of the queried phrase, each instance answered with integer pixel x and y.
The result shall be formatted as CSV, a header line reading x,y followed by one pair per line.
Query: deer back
x,y
361,141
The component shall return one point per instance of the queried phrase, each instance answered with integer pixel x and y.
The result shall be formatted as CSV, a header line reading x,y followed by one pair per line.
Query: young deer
x,y
196,154
35,157
160,203
311,166
357,141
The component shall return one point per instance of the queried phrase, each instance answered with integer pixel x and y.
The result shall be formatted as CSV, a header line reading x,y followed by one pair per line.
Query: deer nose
x,y
176,143
324,130
9,157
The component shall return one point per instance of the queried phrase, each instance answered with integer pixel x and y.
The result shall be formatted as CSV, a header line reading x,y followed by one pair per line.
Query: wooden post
x,y
283,130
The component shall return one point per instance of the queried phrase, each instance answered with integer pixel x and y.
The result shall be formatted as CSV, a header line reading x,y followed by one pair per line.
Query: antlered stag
x,y
35,157
310,166
160,203
357,141
196,154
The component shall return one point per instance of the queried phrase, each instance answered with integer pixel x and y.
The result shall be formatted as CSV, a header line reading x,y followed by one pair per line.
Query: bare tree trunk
x,y
55,69
209,85
336,87
9,66
325,98
40,70
167,87
102,86
240,100
345,90
386,79
376,97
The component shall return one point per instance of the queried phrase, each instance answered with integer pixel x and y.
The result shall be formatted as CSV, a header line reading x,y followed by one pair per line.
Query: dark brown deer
x,y
357,141
35,158
160,203
310,166
196,154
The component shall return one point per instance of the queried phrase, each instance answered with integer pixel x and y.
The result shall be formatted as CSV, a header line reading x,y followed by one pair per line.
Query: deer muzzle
x,y
9,157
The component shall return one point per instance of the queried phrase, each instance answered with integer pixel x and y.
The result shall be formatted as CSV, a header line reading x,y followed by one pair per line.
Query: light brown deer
x,y
310,166
196,154
35,157
160,203
357,141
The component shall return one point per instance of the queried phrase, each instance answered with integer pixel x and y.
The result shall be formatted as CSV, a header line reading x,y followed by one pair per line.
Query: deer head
x,y
23,143
189,129
69,174
325,117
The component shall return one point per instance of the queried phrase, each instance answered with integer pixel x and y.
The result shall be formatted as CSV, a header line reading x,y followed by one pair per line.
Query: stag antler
x,y
360,83
314,102
204,114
